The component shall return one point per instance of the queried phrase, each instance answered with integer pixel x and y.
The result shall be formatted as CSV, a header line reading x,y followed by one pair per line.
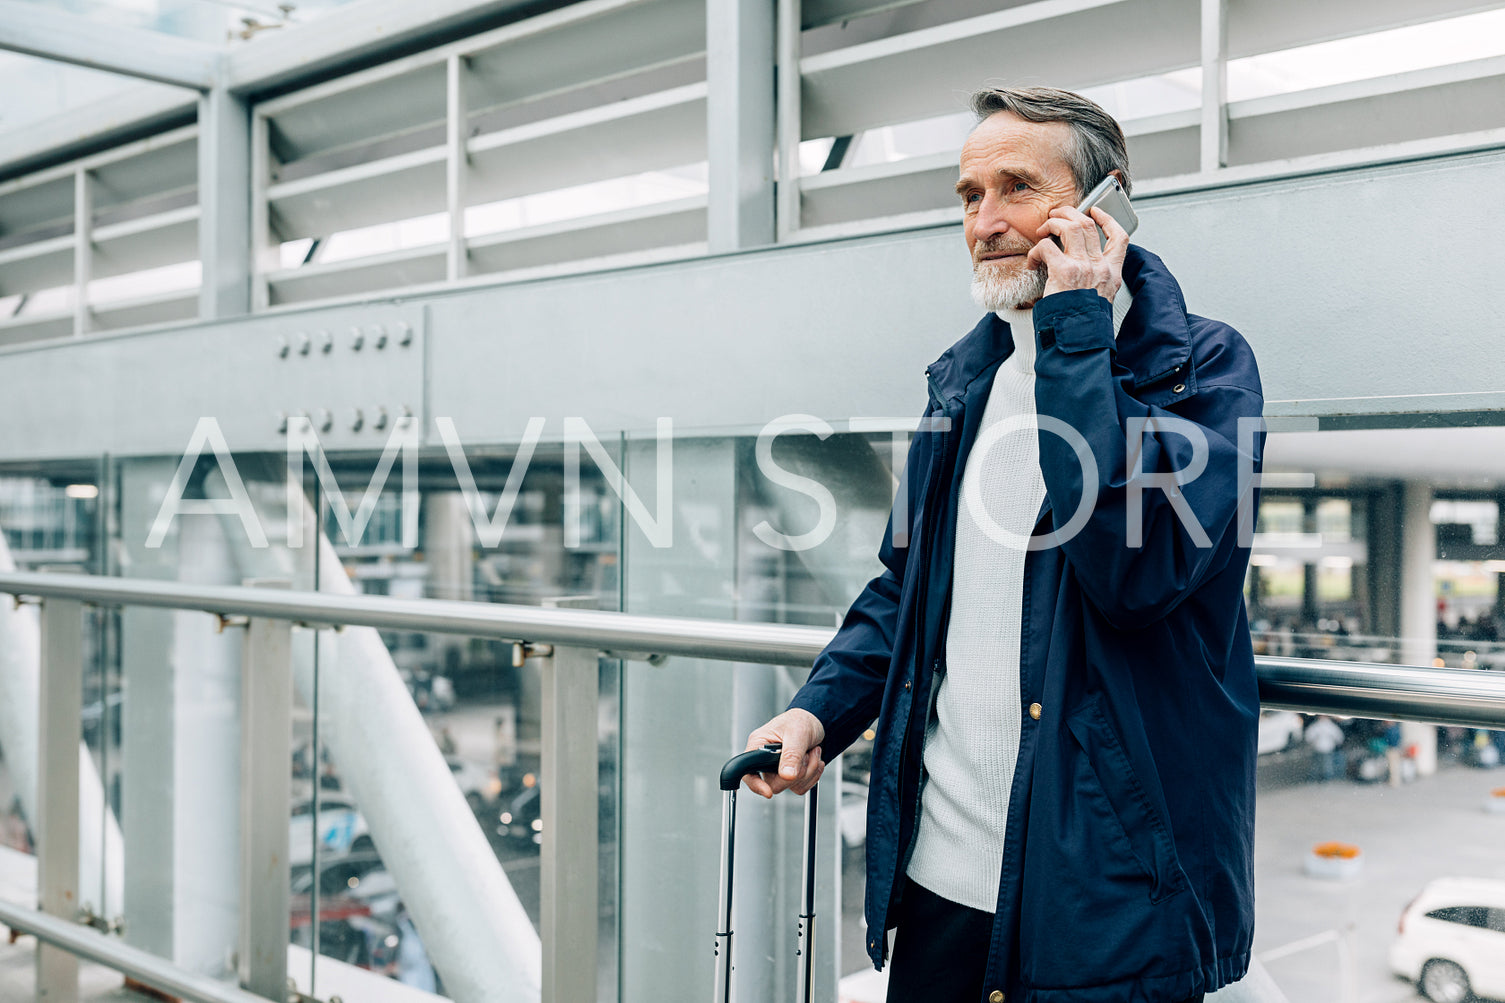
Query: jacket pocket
x,y
1143,827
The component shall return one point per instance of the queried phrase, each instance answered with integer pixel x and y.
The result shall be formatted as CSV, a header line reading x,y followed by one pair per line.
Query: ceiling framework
x,y
360,120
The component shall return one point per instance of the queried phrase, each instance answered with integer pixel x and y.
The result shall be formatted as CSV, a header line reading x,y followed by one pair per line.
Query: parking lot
x,y
1409,835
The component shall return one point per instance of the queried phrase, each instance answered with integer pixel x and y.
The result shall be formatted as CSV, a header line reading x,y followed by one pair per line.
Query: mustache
x,y
999,245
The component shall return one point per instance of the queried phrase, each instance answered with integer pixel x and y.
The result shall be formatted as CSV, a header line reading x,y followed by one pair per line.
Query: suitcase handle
x,y
764,760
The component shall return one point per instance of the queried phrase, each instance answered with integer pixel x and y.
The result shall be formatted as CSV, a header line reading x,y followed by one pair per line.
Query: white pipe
x,y
20,666
477,933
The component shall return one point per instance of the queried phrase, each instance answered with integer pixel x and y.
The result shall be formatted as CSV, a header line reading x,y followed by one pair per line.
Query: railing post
x,y
59,736
265,803
570,864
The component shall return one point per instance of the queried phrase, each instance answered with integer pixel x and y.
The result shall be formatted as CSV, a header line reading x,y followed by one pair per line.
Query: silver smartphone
x,y
1109,196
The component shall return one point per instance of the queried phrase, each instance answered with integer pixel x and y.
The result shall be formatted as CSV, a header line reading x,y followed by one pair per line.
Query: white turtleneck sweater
x,y
972,738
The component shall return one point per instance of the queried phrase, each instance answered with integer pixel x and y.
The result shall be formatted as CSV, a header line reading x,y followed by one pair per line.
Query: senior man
x,y
1057,653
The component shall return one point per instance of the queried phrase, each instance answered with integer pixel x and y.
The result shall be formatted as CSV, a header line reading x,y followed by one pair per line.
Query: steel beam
x,y
740,123
266,796
83,249
61,692
40,30
787,211
570,862
225,245
1214,133
457,164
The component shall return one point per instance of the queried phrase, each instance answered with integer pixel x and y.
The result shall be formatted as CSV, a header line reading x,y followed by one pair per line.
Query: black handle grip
x,y
764,760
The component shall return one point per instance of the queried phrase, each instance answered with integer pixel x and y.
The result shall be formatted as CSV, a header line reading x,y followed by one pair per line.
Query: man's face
x,y
1013,173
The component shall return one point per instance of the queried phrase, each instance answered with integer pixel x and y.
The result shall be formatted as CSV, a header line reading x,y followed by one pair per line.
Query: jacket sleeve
x,y
1168,484
845,686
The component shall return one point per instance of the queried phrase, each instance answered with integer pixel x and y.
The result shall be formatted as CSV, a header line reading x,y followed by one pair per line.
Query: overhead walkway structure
x,y
513,216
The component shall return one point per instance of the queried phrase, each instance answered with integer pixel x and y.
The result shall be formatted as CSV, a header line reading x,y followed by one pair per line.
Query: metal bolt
x,y
326,342
379,421
357,339
357,420
404,334
378,336
281,422
303,343
284,348
325,419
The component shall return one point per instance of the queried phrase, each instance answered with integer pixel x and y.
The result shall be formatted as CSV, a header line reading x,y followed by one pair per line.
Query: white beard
x,y
1006,287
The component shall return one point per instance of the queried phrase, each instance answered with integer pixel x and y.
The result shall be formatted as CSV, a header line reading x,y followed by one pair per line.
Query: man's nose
x,y
991,217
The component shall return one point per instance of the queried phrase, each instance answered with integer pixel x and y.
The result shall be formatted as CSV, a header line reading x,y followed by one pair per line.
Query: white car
x,y
479,785
1452,940
342,828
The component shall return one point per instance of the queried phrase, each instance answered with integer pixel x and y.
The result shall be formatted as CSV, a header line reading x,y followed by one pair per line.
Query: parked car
x,y
1451,941
342,828
1278,730
338,876
480,785
519,821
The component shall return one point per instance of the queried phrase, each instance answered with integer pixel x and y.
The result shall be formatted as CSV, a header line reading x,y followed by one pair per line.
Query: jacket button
x,y
906,686
1178,388
1034,712
996,996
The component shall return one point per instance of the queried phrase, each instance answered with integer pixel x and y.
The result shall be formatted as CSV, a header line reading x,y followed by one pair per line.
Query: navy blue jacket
x,y
1127,869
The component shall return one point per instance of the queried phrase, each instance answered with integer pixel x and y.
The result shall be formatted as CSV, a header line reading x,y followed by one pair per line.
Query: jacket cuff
x,y
1077,320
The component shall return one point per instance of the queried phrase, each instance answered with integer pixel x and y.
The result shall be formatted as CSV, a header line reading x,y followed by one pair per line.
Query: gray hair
x,y
1099,147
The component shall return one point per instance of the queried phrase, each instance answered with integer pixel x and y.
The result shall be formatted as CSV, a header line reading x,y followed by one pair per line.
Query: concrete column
x,y
1382,543
1309,570
180,736
448,545
1418,607
1499,606
740,140
449,549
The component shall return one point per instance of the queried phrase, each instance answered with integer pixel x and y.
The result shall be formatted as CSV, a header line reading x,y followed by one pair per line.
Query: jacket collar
x,y
1154,342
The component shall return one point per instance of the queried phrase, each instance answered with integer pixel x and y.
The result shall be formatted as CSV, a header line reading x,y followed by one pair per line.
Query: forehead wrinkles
x,y
1006,145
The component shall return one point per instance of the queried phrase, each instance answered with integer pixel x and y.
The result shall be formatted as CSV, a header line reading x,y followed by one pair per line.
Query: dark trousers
x,y
940,951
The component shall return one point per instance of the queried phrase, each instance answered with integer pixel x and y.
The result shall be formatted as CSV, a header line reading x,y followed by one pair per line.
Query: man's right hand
x,y
800,765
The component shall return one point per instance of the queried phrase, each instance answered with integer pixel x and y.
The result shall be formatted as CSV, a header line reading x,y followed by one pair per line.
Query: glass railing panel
x,y
483,525
744,548
1369,848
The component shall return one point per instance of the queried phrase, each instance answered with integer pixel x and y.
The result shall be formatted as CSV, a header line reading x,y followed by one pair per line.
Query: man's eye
x,y
971,197
1019,186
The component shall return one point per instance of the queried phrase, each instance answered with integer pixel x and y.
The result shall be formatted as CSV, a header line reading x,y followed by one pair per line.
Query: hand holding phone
x,y
1110,198
1079,268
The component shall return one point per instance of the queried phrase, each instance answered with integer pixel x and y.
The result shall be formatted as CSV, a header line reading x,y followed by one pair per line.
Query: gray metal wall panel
x,y
1372,283
144,394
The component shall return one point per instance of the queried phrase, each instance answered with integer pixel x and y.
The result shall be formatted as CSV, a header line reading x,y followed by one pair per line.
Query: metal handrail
x,y
774,644
1473,698
132,962
1469,697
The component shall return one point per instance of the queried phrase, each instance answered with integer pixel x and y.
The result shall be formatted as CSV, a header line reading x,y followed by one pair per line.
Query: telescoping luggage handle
x,y
764,760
